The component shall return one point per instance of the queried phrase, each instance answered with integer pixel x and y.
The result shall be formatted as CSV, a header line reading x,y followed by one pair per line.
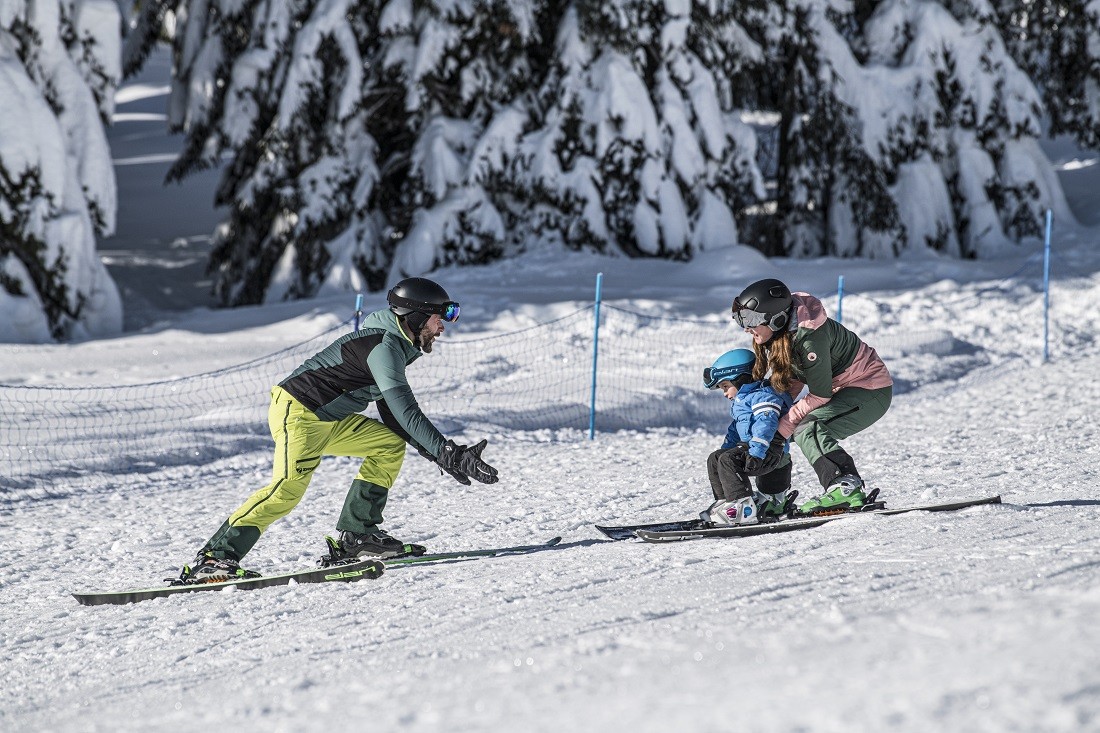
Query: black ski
x,y
347,571
788,525
441,557
343,573
628,531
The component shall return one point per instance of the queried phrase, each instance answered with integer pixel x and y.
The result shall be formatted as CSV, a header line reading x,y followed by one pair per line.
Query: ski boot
x,y
210,569
723,513
774,506
844,494
352,546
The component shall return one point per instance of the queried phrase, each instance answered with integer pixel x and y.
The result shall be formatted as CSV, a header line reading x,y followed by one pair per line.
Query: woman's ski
x,y
788,525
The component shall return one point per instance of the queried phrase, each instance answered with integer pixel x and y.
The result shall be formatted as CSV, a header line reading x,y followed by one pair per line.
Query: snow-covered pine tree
x,y
463,67
59,66
833,194
349,128
1057,42
376,139
959,123
276,88
632,142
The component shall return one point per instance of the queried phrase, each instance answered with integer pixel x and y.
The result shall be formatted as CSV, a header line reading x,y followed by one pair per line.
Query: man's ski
x,y
788,525
355,570
443,557
344,573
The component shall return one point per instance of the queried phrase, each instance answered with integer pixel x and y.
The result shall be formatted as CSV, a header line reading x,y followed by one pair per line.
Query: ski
x,y
344,573
445,557
628,531
788,525
347,571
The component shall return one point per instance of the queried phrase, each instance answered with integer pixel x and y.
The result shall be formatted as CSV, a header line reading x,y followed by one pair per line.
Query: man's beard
x,y
426,340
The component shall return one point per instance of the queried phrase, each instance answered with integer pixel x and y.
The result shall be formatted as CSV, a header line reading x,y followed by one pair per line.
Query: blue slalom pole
x,y
595,358
1046,287
358,309
840,299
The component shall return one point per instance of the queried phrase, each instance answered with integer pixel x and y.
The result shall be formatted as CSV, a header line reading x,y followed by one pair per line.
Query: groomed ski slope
x,y
979,620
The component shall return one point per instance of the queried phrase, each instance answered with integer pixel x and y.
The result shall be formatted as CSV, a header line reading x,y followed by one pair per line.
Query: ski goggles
x,y
711,377
746,317
448,311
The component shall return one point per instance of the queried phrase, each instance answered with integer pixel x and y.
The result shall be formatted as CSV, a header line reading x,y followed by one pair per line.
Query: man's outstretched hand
x,y
464,462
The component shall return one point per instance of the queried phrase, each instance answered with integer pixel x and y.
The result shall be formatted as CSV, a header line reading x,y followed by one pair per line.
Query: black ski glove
x,y
756,466
464,462
455,474
740,450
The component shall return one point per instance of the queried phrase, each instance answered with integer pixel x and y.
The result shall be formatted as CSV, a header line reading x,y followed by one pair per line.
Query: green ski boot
x,y
774,505
844,493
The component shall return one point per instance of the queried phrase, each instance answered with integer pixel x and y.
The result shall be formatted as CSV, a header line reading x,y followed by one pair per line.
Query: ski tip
x,y
615,533
553,541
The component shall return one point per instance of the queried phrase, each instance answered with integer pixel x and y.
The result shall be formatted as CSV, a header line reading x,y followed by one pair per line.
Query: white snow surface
x,y
978,620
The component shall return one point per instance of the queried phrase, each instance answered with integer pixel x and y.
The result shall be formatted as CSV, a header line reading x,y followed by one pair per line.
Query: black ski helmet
x,y
417,299
765,302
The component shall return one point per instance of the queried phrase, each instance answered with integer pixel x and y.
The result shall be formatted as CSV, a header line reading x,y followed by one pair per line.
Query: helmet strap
x,y
782,321
415,322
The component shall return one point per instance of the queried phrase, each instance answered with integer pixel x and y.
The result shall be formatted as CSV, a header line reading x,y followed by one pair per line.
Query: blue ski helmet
x,y
729,366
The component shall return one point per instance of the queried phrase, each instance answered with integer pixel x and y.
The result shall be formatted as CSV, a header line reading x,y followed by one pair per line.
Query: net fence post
x,y
595,358
1046,287
840,299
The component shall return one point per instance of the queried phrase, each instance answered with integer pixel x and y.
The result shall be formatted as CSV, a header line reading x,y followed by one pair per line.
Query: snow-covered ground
x,y
980,620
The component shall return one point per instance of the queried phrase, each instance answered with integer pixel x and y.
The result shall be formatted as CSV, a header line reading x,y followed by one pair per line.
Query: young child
x,y
752,446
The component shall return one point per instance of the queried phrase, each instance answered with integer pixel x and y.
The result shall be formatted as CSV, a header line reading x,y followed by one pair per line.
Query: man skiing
x,y
315,412
752,446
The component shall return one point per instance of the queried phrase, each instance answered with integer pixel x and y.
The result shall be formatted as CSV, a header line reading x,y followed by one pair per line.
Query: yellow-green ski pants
x,y
301,439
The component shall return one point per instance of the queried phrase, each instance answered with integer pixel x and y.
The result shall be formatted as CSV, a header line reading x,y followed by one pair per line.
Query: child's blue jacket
x,y
756,411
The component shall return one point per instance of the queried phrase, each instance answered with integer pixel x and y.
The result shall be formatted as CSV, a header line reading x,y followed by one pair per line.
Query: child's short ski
x,y
627,531
344,573
788,525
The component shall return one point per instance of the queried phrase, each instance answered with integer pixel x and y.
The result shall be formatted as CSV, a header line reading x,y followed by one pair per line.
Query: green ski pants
x,y
301,439
849,411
